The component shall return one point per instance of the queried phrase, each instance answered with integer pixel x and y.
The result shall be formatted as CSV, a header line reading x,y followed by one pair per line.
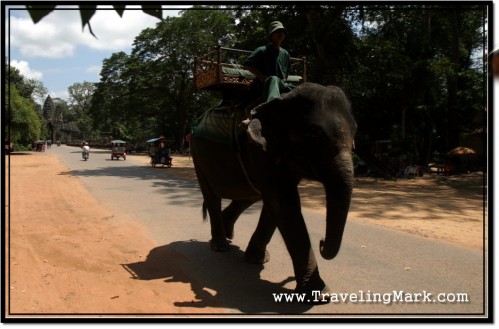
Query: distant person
x,y
85,148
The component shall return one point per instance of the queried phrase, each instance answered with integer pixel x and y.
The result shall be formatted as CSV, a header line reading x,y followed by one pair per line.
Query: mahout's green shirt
x,y
270,61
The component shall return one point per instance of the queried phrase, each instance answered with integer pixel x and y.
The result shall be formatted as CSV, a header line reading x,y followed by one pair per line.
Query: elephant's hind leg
x,y
232,213
256,252
213,204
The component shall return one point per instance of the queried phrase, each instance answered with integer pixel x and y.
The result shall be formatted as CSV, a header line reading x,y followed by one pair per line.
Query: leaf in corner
x,y
86,13
37,12
120,9
153,10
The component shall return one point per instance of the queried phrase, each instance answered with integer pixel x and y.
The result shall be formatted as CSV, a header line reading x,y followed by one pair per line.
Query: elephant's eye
x,y
307,134
315,132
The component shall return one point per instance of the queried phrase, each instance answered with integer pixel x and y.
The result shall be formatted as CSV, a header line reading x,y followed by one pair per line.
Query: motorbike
x,y
85,155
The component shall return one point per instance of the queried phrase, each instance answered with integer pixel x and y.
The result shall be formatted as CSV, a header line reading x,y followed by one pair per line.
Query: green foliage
x,y
155,81
79,103
416,77
27,88
24,123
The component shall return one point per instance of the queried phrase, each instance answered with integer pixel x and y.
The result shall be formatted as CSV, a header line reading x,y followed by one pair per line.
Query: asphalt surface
x,y
374,264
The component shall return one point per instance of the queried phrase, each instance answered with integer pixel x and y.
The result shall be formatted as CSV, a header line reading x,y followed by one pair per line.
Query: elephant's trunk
x,y
338,195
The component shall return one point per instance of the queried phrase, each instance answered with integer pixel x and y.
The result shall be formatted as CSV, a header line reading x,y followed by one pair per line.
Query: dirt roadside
x,y
64,258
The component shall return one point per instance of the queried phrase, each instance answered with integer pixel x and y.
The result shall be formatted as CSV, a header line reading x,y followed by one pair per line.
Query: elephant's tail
x,y
205,211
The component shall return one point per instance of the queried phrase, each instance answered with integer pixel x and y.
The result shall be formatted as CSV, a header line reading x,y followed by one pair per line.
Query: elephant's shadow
x,y
237,283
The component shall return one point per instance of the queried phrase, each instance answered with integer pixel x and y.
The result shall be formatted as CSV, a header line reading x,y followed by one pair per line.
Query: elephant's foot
x,y
256,256
219,245
315,292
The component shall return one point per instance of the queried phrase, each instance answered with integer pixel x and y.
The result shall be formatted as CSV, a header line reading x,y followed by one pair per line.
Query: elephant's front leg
x,y
257,253
285,208
297,240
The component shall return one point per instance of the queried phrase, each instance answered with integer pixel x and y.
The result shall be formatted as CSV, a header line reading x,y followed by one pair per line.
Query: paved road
x,y
373,263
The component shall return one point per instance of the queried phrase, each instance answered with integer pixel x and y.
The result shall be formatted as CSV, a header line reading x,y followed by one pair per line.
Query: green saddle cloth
x,y
222,124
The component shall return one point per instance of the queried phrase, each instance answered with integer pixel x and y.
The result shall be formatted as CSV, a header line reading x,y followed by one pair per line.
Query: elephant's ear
x,y
266,126
261,112
255,133
284,118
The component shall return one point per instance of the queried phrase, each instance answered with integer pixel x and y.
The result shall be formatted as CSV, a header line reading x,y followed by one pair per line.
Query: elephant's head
x,y
311,130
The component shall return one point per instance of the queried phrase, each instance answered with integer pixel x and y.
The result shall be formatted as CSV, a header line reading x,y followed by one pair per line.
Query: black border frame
x,y
488,258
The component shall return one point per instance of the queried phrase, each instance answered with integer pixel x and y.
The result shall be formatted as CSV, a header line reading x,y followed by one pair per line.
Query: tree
x,y
151,89
411,71
321,33
24,125
405,87
111,96
27,88
80,99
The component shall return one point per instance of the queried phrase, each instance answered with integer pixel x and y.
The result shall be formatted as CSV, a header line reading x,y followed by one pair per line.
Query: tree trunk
x,y
320,29
452,136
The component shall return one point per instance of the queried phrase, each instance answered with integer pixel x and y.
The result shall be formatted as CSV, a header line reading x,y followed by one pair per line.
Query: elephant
x,y
306,133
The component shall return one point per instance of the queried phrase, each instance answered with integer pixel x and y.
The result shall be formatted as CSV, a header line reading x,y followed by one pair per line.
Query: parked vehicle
x,y
118,149
9,146
40,145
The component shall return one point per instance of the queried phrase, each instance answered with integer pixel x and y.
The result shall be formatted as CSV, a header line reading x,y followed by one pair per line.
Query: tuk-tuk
x,y
159,152
118,149
40,145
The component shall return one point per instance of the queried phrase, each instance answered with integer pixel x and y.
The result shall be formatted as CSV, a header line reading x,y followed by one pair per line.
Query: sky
x,y
59,53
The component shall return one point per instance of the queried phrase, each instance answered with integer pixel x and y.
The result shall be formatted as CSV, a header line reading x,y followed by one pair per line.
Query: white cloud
x,y
114,32
45,39
59,33
66,53
94,69
59,94
25,70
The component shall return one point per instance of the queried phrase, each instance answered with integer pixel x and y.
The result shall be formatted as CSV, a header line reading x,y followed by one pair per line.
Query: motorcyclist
x,y
86,149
